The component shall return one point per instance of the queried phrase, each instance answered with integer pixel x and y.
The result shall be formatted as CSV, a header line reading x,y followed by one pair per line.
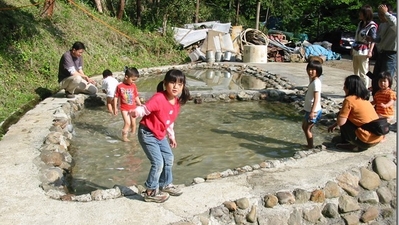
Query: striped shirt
x,y
384,96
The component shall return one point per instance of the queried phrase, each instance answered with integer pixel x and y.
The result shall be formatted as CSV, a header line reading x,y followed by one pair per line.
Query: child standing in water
x,y
127,95
312,105
159,114
109,87
384,98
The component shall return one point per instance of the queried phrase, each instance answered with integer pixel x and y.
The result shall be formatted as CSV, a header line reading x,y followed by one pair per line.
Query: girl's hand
x,y
383,105
115,112
311,116
172,143
133,114
370,54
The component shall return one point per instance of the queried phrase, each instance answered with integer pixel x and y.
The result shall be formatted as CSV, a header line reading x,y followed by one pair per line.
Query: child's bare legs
x,y
109,105
307,129
126,125
133,125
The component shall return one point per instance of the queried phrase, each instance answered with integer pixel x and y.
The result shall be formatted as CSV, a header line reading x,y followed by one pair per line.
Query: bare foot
x,y
124,136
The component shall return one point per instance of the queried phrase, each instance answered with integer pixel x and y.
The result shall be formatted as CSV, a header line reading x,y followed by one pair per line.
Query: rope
x,y
243,36
104,23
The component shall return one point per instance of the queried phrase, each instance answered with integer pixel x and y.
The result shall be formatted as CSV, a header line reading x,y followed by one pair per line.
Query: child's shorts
x,y
318,117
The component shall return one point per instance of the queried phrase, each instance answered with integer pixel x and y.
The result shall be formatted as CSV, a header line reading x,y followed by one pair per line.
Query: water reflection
x,y
208,79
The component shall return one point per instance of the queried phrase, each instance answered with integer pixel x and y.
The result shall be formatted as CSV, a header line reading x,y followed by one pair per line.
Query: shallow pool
x,y
211,137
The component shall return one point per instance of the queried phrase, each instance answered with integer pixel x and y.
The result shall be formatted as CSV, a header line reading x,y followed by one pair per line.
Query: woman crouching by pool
x,y
356,110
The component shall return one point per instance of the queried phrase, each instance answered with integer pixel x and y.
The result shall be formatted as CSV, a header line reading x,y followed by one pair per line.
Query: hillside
x,y
31,46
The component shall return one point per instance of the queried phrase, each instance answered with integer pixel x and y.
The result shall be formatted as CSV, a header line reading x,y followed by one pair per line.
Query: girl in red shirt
x,y
159,114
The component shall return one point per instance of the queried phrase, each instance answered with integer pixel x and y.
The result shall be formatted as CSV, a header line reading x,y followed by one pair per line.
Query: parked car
x,y
341,41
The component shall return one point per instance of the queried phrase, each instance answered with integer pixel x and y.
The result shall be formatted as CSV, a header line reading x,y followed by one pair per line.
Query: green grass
x,y
31,46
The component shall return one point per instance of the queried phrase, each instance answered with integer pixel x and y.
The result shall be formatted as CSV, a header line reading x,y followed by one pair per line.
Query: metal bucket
x,y
218,56
226,56
210,56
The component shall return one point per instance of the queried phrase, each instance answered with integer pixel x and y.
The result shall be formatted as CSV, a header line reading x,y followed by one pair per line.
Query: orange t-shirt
x,y
384,96
359,112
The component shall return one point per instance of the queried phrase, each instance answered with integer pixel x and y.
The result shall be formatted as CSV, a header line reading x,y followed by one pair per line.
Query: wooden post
x,y
48,8
257,16
197,11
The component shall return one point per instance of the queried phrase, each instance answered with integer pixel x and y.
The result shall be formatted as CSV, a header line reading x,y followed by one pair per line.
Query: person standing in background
x,y
362,49
386,45
70,73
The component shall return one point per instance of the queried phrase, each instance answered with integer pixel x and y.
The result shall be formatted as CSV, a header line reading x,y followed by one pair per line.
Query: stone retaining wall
x,y
365,195
361,195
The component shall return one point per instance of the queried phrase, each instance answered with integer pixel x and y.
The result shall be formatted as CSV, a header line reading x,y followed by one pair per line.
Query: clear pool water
x,y
211,137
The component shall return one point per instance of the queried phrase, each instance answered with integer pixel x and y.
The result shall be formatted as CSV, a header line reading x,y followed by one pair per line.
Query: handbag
x,y
360,49
378,127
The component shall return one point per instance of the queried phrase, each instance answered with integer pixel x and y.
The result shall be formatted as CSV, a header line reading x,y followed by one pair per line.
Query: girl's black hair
x,y
385,75
355,86
316,65
173,76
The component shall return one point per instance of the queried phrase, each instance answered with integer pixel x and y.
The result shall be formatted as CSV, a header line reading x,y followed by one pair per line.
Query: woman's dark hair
x,y
367,12
316,65
355,86
78,45
175,76
385,75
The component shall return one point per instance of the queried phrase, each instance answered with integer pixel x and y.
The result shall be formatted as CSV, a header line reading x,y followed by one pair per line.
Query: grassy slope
x,y
30,49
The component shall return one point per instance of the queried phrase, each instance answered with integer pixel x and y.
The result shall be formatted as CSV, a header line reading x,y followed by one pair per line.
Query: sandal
x,y
347,146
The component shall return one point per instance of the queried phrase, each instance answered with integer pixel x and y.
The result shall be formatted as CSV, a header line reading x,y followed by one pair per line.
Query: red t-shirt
x,y
162,114
127,95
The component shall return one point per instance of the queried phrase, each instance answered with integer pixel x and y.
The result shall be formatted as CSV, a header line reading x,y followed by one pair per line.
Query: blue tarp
x,y
318,50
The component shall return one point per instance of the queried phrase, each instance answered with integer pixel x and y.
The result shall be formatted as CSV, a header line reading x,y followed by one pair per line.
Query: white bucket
x,y
255,54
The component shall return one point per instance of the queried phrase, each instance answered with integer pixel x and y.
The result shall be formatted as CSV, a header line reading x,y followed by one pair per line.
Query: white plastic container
x,y
255,54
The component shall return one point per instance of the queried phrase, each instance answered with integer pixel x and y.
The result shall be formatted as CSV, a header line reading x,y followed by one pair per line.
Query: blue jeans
x,y
161,158
386,61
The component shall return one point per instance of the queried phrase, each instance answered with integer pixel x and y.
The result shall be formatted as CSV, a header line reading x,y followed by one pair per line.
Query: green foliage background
x,y
31,46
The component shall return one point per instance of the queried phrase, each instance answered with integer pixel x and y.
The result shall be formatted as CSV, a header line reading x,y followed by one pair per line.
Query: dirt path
x,y
345,63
